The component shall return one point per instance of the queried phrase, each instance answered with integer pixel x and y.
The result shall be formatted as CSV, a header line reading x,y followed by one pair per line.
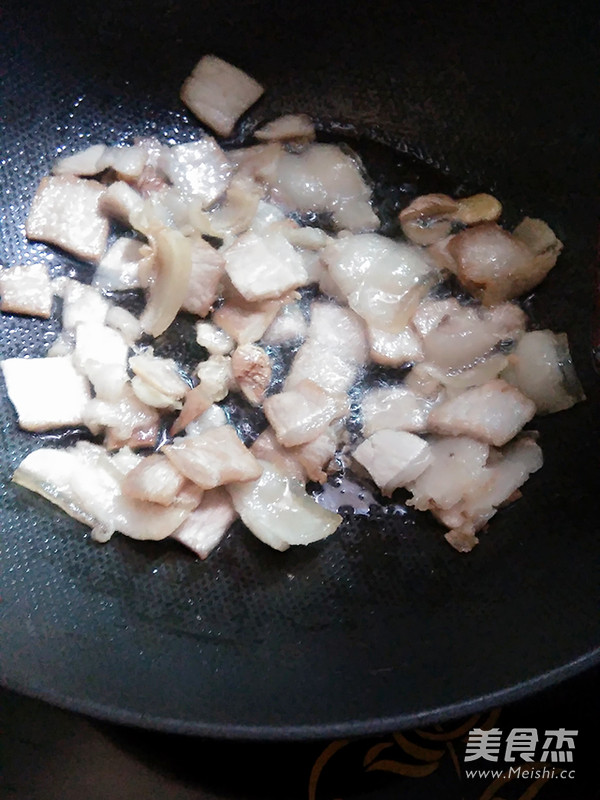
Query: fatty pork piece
x,y
213,458
213,417
492,413
393,458
216,381
289,325
334,351
395,349
81,304
428,380
495,266
286,128
26,290
324,178
119,268
155,479
252,370
206,272
264,267
542,369
125,421
65,212
315,456
237,210
394,408
121,202
244,321
86,483
219,93
101,355
47,393
279,512
170,285
466,334
217,341
157,381
383,280
467,482
83,163
125,322
199,170
266,447
301,414
431,217
208,523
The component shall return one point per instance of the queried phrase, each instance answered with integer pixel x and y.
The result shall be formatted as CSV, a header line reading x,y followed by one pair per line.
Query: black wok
x,y
383,625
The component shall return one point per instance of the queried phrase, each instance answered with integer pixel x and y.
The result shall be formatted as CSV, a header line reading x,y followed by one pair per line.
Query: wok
x,y
383,625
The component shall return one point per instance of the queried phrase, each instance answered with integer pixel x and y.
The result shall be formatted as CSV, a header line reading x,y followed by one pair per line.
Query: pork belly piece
x,y
217,341
155,479
85,162
263,268
252,370
126,421
383,280
492,413
82,303
213,417
83,482
394,408
65,212
393,458
324,178
26,290
198,169
118,269
300,414
125,322
101,355
266,447
238,209
213,458
286,128
289,325
207,525
494,265
542,369
207,268
244,321
334,351
121,202
394,349
219,93
160,373
315,456
127,161
279,512
47,393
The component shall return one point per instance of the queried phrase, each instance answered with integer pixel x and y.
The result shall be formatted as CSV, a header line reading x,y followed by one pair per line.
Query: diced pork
x,y
26,290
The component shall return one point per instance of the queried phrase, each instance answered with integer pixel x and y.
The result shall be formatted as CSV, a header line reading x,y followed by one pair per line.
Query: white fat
x,y
266,447
306,237
265,267
219,93
153,478
289,126
492,413
214,339
126,161
63,345
207,525
383,280
334,351
301,414
393,458
213,417
124,321
456,465
26,290
153,397
279,512
170,284
395,408
101,355
160,373
126,419
267,215
65,212
216,377
207,269
316,456
395,349
542,369
430,313
246,322
119,267
83,482
121,202
325,179
213,458
197,169
47,393
83,163
82,303
289,325
238,209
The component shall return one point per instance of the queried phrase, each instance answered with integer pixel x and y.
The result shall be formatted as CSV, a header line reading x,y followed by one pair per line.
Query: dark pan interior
x,y
382,625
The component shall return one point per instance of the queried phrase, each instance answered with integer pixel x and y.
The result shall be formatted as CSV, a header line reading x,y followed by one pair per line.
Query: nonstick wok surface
x,y
383,625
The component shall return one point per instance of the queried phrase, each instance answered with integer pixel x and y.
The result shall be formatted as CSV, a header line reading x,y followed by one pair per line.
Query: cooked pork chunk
x,y
155,479
290,126
300,414
251,368
26,290
394,408
393,458
207,525
101,355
